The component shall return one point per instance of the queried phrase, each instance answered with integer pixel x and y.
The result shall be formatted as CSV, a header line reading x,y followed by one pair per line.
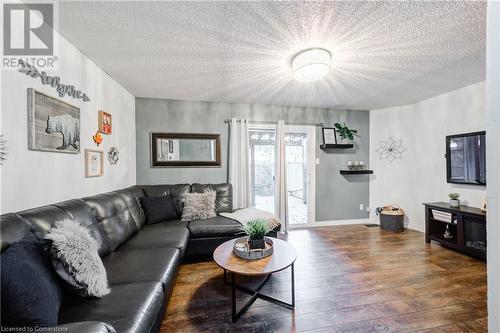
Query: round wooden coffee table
x,y
283,256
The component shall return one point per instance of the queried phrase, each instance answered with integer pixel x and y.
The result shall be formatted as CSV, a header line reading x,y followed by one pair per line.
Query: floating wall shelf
x,y
337,146
356,172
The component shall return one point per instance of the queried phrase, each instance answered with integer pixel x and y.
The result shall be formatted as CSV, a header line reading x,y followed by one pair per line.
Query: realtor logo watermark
x,y
28,34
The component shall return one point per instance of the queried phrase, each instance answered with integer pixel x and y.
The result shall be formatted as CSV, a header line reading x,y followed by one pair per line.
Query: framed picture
x,y
53,125
94,163
104,122
329,135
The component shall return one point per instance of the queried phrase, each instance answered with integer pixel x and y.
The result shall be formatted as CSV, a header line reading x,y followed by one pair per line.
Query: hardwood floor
x,y
348,279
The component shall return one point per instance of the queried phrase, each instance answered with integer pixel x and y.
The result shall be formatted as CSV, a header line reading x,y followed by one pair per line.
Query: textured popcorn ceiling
x,y
385,53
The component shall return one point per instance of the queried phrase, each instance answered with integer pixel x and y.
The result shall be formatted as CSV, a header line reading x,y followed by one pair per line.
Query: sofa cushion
x,y
159,235
130,308
218,226
159,264
224,199
81,212
176,192
131,196
31,295
42,218
173,223
75,259
12,229
199,206
86,327
158,209
114,217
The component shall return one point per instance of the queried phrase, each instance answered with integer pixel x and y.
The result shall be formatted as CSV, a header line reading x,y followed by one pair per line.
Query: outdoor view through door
x,y
300,166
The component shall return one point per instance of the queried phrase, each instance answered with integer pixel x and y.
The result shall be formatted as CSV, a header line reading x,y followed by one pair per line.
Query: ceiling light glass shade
x,y
311,65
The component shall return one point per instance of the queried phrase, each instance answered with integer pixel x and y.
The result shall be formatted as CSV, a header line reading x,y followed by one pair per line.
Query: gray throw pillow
x,y
75,259
199,206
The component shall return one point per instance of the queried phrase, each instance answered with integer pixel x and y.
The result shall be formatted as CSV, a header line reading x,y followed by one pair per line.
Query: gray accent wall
x,y
337,197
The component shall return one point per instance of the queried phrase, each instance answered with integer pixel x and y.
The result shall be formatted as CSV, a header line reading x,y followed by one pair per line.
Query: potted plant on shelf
x,y
345,132
256,230
454,201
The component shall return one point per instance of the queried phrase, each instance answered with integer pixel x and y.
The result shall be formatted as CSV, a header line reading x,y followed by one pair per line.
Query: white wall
x,y
421,175
32,178
493,163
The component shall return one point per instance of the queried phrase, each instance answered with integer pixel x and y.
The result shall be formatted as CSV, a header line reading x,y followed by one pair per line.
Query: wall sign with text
x,y
53,81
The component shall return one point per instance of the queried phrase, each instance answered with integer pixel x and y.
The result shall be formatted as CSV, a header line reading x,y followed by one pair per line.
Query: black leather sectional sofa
x,y
141,260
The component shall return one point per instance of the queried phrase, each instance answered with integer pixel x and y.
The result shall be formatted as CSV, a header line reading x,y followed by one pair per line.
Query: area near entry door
x,y
300,162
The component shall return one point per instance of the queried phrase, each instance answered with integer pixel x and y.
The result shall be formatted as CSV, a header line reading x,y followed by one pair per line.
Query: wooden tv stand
x,y
467,229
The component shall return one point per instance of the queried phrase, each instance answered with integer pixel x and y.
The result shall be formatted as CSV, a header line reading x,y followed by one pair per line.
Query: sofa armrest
x,y
86,327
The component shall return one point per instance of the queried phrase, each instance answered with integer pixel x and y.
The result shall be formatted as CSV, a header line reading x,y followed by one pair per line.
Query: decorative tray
x,y
241,249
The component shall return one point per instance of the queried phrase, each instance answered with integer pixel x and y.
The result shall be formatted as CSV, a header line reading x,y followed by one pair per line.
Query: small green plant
x,y
256,229
345,132
454,196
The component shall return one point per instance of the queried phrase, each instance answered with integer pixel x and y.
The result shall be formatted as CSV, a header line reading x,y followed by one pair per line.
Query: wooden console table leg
x,y
427,231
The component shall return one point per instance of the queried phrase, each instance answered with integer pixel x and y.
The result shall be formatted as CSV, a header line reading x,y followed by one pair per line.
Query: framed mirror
x,y
185,150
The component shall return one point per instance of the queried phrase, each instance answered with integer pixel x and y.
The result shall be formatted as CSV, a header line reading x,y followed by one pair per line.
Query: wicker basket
x,y
392,218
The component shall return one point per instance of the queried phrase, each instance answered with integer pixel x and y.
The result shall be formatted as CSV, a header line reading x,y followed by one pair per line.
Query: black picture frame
x,y
334,135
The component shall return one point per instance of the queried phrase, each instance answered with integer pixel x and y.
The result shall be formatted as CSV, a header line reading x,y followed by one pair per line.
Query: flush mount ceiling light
x,y
311,65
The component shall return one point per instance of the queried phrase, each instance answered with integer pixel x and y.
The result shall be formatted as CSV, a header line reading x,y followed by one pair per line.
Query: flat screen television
x,y
466,158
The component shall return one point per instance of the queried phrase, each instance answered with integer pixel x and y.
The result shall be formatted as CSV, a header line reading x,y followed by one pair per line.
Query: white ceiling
x,y
385,53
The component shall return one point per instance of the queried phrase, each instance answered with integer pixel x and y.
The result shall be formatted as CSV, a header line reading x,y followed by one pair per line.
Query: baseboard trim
x,y
334,223
331,223
416,227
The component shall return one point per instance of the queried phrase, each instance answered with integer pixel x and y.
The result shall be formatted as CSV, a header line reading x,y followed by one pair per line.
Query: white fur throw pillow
x,y
75,259
199,206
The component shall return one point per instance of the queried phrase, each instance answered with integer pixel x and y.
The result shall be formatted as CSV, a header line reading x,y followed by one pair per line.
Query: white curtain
x,y
239,165
281,187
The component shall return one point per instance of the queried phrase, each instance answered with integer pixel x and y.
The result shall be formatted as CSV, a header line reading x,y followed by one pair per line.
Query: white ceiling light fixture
x,y
311,65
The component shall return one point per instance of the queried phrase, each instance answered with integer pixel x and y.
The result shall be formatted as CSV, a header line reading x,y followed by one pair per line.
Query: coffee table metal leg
x,y
233,297
256,294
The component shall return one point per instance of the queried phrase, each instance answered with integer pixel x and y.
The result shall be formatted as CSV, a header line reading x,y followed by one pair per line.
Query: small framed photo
x,y
94,163
105,125
329,136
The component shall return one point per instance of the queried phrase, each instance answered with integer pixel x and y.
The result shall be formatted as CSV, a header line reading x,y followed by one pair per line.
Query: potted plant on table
x,y
454,201
256,230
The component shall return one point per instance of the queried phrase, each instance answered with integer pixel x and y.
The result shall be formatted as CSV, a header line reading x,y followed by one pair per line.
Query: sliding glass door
x,y
300,167
299,151
263,166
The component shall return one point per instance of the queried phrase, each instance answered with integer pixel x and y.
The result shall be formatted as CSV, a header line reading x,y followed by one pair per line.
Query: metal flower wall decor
x,y
113,155
391,149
